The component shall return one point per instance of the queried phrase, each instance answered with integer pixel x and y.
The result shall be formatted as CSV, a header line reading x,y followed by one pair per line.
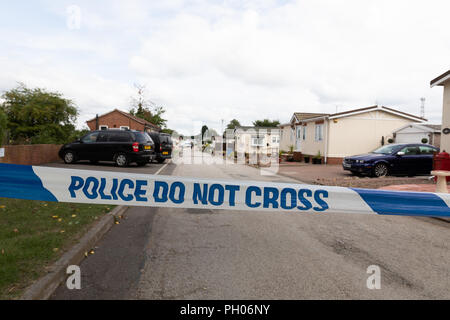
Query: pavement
x,y
215,254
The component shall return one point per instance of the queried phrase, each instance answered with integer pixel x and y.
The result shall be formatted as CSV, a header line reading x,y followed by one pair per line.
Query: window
x,y
410,151
319,132
119,137
257,141
142,137
299,132
304,132
92,137
426,150
103,127
102,137
275,139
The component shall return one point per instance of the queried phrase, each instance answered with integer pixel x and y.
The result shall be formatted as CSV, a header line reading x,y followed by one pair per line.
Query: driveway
x,y
335,175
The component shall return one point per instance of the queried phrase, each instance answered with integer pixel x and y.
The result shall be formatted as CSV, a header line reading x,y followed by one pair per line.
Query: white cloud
x,y
212,60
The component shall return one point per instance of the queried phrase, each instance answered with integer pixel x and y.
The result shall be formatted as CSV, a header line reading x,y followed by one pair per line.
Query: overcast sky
x,y
205,61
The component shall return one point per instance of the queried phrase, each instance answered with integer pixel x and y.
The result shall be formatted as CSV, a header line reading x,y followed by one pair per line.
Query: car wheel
x,y
121,160
69,157
380,170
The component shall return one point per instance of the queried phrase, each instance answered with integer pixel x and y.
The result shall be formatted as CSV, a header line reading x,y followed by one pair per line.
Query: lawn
x,y
33,234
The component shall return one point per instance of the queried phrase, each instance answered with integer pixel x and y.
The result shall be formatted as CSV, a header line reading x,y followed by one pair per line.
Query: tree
x,y
38,116
146,109
3,126
266,123
233,124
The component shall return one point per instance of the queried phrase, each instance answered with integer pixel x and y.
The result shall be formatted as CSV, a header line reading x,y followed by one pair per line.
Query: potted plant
x,y
317,159
390,140
306,157
424,140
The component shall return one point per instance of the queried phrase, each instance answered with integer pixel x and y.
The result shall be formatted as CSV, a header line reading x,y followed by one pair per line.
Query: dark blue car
x,y
407,159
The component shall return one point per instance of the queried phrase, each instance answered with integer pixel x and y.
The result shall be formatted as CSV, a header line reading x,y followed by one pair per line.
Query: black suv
x,y
120,146
163,146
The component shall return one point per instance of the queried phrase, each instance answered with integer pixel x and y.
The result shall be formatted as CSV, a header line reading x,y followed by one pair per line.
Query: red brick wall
x,y
116,120
32,154
332,160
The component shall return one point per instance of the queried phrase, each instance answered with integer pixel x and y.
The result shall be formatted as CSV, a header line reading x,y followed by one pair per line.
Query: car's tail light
x,y
135,147
160,148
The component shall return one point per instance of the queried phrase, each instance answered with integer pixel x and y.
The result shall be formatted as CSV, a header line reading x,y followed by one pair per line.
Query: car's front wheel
x,y
380,170
121,160
69,157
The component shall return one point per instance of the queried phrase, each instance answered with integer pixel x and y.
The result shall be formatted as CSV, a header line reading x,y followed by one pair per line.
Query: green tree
x,y
3,126
266,123
146,109
233,124
38,116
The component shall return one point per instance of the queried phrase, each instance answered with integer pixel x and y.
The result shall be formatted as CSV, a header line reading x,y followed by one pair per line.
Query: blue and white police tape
x,y
101,187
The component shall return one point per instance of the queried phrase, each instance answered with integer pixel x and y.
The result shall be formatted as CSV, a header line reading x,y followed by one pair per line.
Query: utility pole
x,y
422,107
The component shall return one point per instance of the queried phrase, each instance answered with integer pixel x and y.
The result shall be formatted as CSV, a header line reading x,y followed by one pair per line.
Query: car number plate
x,y
346,165
148,148
165,152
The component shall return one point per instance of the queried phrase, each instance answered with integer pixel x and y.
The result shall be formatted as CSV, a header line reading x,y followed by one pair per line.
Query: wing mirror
x,y
400,153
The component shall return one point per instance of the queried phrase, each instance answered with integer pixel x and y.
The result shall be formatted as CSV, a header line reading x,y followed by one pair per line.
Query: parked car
x,y
163,146
410,159
121,146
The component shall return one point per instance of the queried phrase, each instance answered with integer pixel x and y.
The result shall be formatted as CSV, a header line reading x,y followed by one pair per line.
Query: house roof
x,y
312,116
439,81
435,128
299,116
139,120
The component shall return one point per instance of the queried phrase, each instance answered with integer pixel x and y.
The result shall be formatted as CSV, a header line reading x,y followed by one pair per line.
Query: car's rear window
x,y
165,138
143,137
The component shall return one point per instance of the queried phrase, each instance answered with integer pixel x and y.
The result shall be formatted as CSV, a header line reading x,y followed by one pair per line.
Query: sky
x,y
211,61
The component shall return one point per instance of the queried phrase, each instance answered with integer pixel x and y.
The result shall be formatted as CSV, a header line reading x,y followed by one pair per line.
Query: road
x,y
213,254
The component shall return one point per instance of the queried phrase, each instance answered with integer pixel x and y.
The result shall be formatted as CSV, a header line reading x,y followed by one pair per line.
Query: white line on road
x,y
162,168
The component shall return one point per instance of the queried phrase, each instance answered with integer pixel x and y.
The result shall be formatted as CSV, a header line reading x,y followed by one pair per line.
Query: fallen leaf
x,y
16,230
55,217
2,207
55,249
3,251
91,252
59,220
62,231
74,215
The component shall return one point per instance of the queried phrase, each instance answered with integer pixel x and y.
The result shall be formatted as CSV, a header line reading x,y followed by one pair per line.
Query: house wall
x,y
244,142
361,133
287,138
310,146
116,120
445,138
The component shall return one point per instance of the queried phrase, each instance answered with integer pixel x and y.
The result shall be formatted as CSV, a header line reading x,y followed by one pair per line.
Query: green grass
x,y
33,234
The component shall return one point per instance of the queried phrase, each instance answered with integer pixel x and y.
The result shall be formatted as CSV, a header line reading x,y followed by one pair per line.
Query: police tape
x,y
119,188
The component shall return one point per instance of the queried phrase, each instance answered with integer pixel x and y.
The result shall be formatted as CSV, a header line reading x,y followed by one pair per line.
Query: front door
x,y
298,138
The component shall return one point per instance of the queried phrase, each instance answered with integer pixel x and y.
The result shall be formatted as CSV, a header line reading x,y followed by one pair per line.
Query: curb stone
x,y
44,287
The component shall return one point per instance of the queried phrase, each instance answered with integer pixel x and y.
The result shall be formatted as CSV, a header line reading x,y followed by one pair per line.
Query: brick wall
x,y
33,154
116,120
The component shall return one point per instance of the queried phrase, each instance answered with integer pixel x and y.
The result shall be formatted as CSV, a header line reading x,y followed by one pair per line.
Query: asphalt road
x,y
213,254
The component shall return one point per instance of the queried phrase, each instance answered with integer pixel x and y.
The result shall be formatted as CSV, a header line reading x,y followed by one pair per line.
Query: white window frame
x,y
103,127
319,132
124,128
275,139
259,141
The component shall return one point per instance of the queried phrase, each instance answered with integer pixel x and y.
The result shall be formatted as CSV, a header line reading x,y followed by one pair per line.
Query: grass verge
x,y
33,234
